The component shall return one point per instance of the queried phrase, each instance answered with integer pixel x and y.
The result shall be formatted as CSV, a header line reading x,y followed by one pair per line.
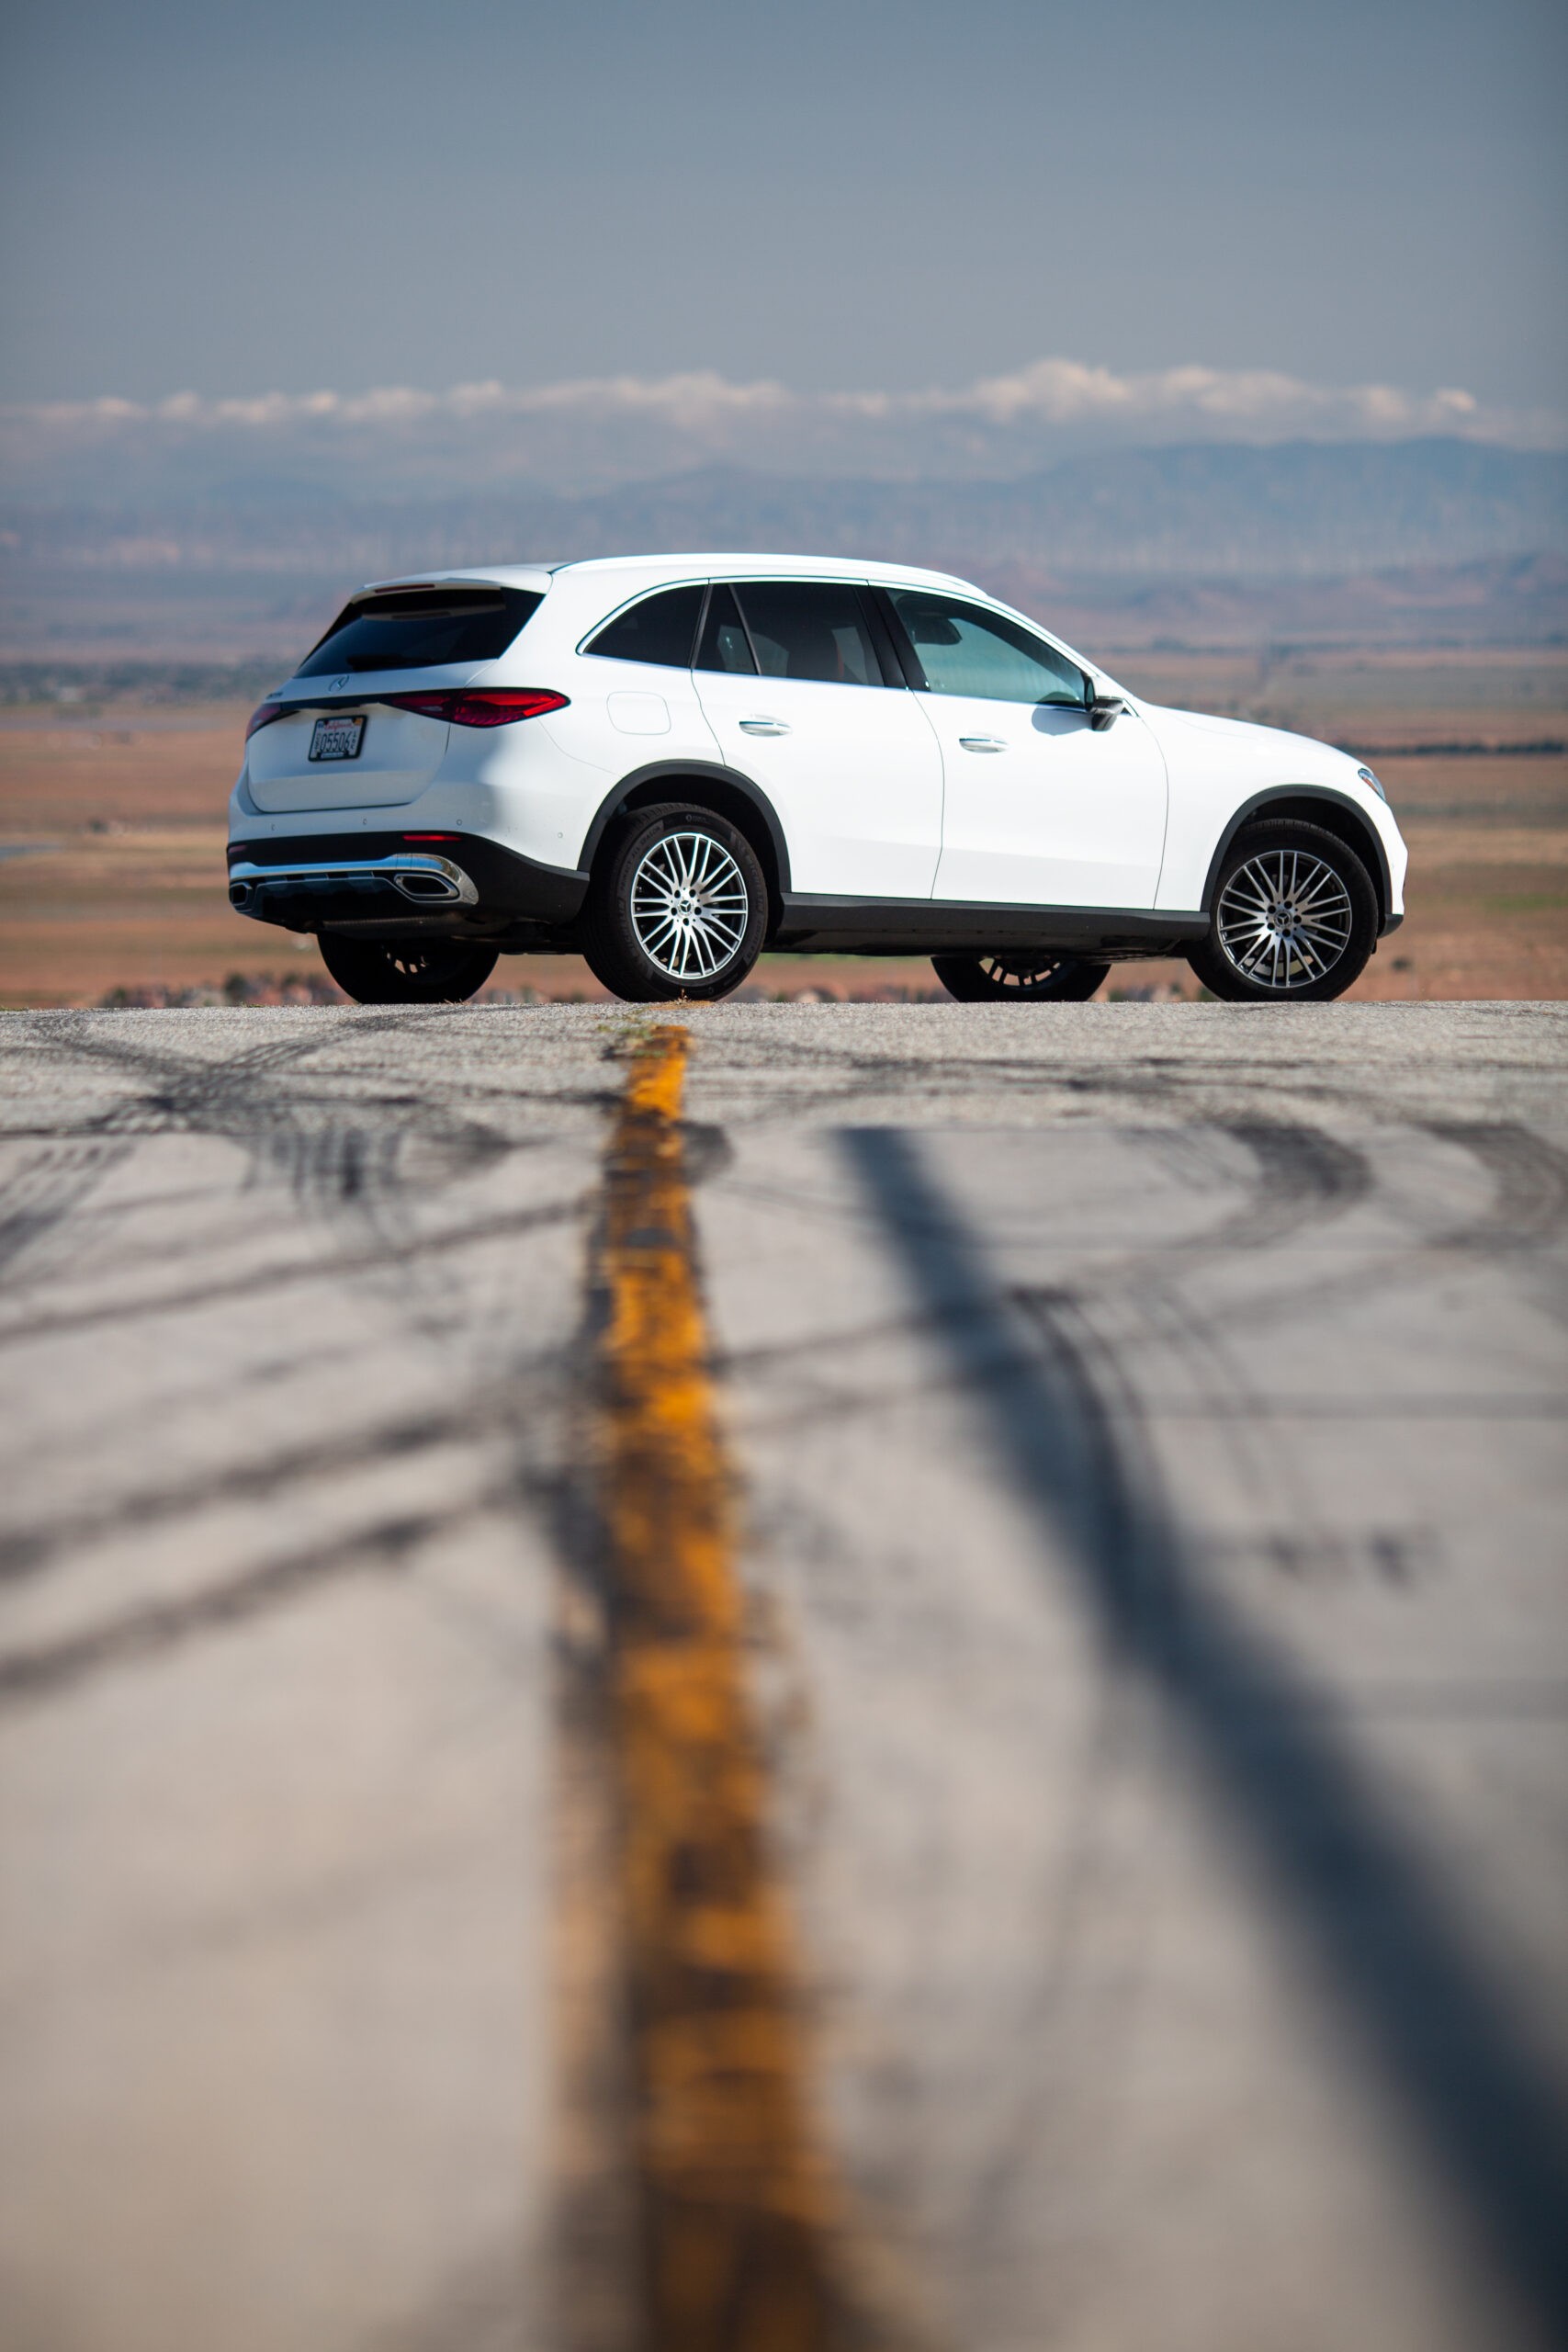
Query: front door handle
x,y
983,742
764,727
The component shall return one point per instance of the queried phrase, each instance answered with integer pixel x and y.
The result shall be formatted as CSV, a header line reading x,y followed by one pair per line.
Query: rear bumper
x,y
384,882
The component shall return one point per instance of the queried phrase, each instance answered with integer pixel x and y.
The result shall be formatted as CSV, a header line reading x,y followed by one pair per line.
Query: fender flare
x,y
691,772
1267,798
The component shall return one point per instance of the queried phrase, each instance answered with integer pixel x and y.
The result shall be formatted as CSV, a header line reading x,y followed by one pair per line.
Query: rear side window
x,y
963,650
421,629
810,628
724,645
660,630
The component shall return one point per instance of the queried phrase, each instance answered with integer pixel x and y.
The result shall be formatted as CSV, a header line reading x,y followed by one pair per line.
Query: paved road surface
x,y
1132,1544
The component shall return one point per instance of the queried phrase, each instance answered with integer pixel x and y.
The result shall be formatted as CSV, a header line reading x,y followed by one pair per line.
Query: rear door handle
x,y
980,742
764,727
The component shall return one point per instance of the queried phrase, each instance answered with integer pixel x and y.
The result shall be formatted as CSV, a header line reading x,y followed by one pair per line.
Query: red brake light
x,y
481,705
263,715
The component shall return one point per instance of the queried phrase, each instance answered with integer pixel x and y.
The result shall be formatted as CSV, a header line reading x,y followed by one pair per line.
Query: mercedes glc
x,y
669,763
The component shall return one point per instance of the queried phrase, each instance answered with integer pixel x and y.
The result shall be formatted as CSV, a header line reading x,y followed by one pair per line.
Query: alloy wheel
x,y
1284,918
689,906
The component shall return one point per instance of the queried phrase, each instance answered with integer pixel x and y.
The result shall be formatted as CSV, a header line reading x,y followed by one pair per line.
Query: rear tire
x,y
1017,980
678,907
1295,917
406,971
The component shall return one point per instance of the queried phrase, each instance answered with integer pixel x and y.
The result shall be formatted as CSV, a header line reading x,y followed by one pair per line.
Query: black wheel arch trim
x,y
1284,801
642,788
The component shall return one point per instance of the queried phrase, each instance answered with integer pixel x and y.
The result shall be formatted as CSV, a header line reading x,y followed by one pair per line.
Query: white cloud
x,y
606,429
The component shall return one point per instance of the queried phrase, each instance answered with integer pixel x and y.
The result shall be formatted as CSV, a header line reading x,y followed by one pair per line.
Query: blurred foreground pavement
x,y
1148,1428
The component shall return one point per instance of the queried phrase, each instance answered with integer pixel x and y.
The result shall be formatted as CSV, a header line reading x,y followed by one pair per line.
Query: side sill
x,y
936,927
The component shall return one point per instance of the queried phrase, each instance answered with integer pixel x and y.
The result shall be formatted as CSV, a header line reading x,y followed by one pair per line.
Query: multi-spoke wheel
x,y
406,971
1295,917
1013,979
690,906
678,907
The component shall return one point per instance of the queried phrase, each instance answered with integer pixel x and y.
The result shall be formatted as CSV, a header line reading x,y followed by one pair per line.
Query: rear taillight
x,y
263,715
481,705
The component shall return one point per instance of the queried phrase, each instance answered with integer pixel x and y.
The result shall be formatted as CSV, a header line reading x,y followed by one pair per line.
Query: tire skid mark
x,y
179,1088
1305,1175
1303,1178
1530,1203
347,1159
164,1625
1528,1212
49,1185
488,1412
254,1284
735,2200
302,1132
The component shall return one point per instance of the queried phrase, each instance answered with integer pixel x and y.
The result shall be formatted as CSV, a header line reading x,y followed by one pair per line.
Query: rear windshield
x,y
421,629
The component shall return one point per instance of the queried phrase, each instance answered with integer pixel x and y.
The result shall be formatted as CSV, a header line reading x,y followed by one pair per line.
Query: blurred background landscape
x,y
1408,600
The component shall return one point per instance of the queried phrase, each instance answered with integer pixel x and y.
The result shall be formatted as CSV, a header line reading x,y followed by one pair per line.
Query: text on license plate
x,y
337,739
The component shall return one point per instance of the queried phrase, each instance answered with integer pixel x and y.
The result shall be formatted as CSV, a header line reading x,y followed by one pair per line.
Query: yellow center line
x,y
734,2195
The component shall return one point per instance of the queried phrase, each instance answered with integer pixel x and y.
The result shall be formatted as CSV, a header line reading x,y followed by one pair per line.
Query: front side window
x,y
810,628
963,650
421,629
725,645
660,630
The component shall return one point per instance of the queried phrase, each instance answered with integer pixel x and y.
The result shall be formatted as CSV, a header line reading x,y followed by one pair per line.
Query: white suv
x,y
667,763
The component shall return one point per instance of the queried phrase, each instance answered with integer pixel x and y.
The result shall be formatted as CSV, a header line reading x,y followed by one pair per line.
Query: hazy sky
x,y
902,193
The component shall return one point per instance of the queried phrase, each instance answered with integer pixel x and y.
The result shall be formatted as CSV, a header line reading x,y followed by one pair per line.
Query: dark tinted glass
x,y
421,629
966,652
810,628
724,645
660,630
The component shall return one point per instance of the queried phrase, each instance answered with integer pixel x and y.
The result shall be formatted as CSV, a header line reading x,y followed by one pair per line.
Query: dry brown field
x,y
112,831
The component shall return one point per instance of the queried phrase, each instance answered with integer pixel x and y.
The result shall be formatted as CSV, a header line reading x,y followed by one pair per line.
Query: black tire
x,y
1295,917
406,971
1019,979
643,921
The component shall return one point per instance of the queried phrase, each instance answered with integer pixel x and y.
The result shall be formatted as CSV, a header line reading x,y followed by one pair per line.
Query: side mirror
x,y
1105,709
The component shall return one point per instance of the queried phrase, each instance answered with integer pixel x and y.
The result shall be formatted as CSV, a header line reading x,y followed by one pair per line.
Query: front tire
x,y
1295,917
678,907
406,971
1003,980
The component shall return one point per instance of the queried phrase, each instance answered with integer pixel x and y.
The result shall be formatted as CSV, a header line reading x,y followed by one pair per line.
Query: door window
x,y
725,645
963,650
811,628
659,630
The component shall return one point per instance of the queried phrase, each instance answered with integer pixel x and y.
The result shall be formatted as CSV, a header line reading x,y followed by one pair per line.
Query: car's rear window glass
x,y
421,629
659,630
810,628
966,652
724,645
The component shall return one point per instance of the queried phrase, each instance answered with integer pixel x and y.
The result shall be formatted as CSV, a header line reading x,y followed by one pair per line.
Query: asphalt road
x,y
1124,1448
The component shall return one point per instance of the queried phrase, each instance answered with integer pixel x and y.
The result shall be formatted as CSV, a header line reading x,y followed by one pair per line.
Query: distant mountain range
x,y
1176,531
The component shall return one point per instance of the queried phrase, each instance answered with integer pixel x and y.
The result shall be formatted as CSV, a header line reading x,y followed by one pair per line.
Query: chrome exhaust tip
x,y
428,886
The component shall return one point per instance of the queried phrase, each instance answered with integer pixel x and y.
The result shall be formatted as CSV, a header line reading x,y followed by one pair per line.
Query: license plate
x,y
337,739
